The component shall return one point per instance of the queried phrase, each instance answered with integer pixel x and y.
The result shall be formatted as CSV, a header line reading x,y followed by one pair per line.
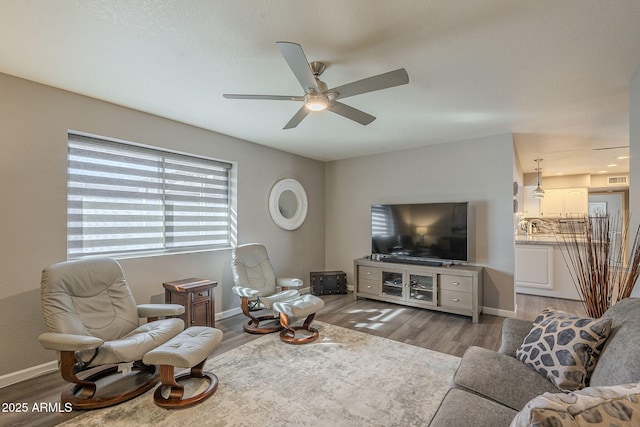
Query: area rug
x,y
345,378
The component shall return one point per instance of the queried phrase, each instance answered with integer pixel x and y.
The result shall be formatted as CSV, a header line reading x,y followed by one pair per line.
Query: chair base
x,y
176,391
253,326
87,394
288,334
304,305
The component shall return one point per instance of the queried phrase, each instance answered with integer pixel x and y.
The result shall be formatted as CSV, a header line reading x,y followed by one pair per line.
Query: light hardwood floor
x,y
443,332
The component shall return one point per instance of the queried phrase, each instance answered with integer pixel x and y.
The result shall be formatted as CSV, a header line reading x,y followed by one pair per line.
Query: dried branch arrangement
x,y
601,271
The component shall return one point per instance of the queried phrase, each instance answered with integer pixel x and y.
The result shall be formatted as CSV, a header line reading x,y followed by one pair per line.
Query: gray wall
x,y
479,171
34,120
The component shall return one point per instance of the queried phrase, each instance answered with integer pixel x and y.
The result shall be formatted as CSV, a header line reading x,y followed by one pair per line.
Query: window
x,y
124,199
381,221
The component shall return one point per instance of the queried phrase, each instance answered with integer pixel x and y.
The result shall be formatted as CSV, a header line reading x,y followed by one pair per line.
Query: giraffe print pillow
x,y
617,405
564,348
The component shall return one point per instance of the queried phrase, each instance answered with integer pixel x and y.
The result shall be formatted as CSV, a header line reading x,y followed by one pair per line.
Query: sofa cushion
x,y
623,310
592,406
500,378
564,347
619,363
514,332
460,408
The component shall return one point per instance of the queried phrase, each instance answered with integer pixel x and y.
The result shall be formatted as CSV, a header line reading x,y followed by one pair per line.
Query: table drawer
x,y
455,299
369,273
204,294
456,283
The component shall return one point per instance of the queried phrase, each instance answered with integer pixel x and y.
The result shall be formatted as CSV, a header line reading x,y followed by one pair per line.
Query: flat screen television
x,y
420,231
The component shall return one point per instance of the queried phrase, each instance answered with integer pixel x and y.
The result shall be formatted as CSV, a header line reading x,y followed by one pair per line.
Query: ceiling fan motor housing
x,y
317,68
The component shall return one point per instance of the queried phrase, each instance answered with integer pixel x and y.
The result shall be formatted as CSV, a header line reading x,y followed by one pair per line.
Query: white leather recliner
x,y
93,322
258,287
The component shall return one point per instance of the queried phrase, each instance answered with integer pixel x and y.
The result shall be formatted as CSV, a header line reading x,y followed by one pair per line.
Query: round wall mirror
x,y
288,204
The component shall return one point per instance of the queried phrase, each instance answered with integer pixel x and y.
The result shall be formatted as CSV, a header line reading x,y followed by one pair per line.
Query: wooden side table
x,y
198,298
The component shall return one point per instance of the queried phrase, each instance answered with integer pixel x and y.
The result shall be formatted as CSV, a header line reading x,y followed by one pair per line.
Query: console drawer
x,y
369,273
455,299
369,286
456,283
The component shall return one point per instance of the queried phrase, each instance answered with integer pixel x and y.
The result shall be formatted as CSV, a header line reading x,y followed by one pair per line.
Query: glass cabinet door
x,y
392,283
422,288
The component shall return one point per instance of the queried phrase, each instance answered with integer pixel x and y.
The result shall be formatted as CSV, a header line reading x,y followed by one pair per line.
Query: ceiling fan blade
x,y
351,113
297,118
264,97
294,55
610,148
381,81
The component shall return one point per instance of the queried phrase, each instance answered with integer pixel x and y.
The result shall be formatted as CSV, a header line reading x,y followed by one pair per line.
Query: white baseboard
x,y
228,313
499,312
28,373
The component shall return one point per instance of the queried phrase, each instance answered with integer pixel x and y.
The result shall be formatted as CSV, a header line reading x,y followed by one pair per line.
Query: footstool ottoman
x,y
307,305
189,349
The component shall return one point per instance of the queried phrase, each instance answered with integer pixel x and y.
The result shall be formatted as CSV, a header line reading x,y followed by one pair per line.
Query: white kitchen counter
x,y
541,239
536,239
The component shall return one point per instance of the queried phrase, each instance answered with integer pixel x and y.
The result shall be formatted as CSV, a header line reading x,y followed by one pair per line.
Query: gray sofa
x,y
490,388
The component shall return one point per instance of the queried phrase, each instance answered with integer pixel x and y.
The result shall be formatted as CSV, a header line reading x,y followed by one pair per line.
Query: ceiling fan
x,y
316,95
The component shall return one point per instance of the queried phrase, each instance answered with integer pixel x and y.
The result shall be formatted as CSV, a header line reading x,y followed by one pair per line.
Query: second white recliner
x,y
258,287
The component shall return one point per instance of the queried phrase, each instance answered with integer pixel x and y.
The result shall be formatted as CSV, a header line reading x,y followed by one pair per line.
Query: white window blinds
x,y
125,199
381,221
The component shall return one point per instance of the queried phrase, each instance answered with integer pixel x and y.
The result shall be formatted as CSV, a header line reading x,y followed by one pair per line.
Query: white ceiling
x,y
555,73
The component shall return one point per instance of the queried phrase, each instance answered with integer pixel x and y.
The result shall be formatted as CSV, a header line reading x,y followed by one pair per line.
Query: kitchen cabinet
x,y
565,202
534,266
557,202
540,269
576,201
552,204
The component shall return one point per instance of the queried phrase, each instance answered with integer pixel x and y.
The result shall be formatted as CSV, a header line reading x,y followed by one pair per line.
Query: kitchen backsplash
x,y
551,225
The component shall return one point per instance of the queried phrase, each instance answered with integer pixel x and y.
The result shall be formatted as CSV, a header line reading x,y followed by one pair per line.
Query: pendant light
x,y
538,193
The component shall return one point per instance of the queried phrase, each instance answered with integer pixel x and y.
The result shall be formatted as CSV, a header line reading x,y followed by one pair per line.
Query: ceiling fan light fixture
x,y
316,102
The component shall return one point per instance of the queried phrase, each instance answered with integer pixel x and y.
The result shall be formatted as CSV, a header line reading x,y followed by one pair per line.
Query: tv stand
x,y
452,289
